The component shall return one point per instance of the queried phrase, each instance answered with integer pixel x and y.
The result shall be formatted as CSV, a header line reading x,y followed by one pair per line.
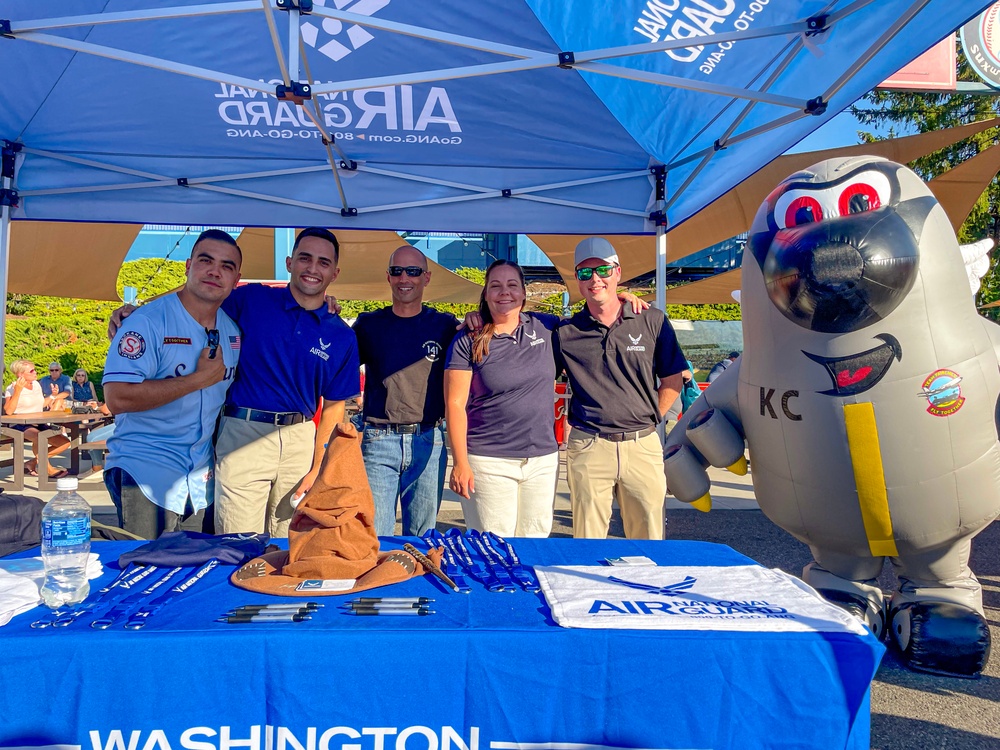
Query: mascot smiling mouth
x,y
859,372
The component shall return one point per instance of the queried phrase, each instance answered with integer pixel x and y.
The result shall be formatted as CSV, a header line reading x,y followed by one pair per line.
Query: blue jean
x,y
409,469
96,436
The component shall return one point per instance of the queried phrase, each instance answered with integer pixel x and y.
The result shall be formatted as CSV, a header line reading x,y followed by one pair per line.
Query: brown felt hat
x,y
332,535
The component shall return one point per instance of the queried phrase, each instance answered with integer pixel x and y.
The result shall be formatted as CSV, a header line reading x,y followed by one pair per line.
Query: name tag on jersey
x,y
176,340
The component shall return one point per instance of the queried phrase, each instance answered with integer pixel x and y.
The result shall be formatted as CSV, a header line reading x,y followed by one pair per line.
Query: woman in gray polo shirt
x,y
498,403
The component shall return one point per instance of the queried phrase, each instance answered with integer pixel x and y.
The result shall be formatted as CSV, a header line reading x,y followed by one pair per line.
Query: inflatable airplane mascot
x,y
868,394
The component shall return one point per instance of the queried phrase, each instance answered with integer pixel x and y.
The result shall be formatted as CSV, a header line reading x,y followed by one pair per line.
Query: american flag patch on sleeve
x,y
234,342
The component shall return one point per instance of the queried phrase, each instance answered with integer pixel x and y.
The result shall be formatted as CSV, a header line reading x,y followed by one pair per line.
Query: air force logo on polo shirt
x,y
635,346
534,338
321,351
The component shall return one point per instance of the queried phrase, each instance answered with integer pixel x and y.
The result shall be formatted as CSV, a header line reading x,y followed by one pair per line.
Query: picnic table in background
x,y
78,426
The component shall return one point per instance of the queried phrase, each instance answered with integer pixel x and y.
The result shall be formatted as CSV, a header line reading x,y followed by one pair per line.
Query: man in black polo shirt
x,y
402,348
625,370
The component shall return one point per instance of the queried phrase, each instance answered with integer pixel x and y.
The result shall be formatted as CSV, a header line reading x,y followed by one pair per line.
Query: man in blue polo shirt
x,y
295,353
165,379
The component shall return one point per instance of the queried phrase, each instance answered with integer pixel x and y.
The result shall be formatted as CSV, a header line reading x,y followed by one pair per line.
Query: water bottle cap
x,y
67,484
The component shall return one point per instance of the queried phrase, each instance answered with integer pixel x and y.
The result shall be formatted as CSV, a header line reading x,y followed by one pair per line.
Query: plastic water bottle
x,y
65,546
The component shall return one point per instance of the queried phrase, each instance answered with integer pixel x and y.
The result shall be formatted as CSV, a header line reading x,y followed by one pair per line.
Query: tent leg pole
x,y
5,183
661,268
283,240
661,295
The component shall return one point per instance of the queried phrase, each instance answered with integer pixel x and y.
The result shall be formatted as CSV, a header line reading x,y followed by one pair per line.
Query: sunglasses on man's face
x,y
213,342
585,274
411,271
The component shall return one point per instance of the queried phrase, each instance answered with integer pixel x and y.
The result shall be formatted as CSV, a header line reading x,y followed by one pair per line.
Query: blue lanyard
x,y
434,538
123,581
455,543
138,619
499,579
521,573
129,603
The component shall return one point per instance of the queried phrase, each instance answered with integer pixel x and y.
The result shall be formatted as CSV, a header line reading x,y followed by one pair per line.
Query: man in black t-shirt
x,y
403,347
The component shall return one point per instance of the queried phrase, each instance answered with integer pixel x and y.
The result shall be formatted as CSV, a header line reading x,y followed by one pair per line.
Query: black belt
x,y
403,429
620,437
277,418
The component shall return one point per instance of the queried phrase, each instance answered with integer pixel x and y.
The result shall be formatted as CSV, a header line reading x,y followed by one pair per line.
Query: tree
x,y
923,112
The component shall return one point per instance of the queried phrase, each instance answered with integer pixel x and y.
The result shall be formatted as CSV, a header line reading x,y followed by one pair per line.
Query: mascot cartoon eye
x,y
859,197
867,190
803,210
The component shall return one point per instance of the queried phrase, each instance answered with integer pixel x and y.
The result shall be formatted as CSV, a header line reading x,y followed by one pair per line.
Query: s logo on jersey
x,y
131,345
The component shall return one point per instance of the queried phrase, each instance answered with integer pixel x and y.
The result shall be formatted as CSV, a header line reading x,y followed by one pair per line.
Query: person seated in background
x,y
83,389
26,396
719,367
101,434
56,386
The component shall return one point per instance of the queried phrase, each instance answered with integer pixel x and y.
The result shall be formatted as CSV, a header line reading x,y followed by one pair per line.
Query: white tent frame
x,y
805,33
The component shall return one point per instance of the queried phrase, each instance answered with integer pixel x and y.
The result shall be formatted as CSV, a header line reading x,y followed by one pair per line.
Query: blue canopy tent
x,y
580,116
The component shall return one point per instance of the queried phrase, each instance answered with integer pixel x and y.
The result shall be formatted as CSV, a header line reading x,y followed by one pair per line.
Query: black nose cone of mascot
x,y
843,274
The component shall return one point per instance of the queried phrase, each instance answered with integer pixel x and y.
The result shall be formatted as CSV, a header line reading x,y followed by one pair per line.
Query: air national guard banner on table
x,y
739,597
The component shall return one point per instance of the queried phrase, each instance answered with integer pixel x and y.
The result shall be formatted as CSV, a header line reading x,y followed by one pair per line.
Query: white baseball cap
x,y
595,247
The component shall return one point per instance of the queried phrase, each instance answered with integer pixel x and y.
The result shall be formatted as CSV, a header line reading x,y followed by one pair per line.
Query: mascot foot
x,y
864,609
941,638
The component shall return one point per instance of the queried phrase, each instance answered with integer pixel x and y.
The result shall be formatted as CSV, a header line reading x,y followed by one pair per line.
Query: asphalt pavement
x,y
909,709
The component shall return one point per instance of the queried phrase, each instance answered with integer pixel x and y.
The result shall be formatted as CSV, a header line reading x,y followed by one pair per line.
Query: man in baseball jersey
x,y
165,379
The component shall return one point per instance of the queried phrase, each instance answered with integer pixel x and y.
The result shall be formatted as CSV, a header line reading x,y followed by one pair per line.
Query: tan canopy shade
x,y
715,290
364,257
63,259
958,189
733,212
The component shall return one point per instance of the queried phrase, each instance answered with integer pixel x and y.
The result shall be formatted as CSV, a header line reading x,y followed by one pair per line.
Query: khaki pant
x,y
257,468
631,472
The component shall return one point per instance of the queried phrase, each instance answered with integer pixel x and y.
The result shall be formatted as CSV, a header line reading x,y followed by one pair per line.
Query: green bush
x,y
73,332
705,312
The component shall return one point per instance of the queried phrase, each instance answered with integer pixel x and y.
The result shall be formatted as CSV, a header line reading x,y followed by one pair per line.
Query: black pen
x,y
384,605
387,612
276,617
411,599
309,606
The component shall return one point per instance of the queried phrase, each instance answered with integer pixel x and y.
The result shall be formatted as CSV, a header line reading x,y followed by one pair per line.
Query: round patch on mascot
x,y
943,391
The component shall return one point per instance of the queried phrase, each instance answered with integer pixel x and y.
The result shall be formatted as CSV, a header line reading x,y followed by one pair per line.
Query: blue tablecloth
x,y
489,671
